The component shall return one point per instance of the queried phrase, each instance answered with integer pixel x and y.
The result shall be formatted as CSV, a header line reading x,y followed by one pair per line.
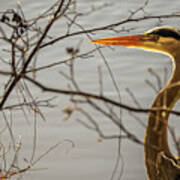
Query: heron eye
x,y
155,38
166,33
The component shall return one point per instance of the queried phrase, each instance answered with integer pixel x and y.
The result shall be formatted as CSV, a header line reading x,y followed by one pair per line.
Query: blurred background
x,y
92,157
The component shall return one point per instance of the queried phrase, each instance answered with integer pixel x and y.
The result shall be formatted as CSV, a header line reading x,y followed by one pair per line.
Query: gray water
x,y
89,159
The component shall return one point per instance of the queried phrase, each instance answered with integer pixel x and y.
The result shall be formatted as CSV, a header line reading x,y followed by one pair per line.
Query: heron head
x,y
162,39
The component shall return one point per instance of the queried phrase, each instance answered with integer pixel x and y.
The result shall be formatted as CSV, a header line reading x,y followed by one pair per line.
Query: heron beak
x,y
129,41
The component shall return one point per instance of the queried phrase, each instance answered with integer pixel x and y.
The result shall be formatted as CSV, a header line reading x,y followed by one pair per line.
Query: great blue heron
x,y
161,164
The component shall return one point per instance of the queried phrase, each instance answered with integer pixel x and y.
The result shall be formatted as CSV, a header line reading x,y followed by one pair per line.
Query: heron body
x,y
160,162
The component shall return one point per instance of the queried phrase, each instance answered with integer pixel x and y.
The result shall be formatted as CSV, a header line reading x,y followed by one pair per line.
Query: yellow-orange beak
x,y
134,40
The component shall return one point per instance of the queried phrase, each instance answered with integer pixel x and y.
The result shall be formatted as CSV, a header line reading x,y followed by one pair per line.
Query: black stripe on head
x,y
177,177
166,33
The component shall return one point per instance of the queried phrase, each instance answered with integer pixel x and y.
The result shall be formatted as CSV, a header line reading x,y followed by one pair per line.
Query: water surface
x,y
90,159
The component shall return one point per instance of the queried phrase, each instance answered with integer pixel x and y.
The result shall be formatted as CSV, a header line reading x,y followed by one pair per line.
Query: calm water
x,y
89,159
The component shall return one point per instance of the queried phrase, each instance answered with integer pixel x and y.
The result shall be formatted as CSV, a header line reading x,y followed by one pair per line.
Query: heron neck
x,y
156,137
